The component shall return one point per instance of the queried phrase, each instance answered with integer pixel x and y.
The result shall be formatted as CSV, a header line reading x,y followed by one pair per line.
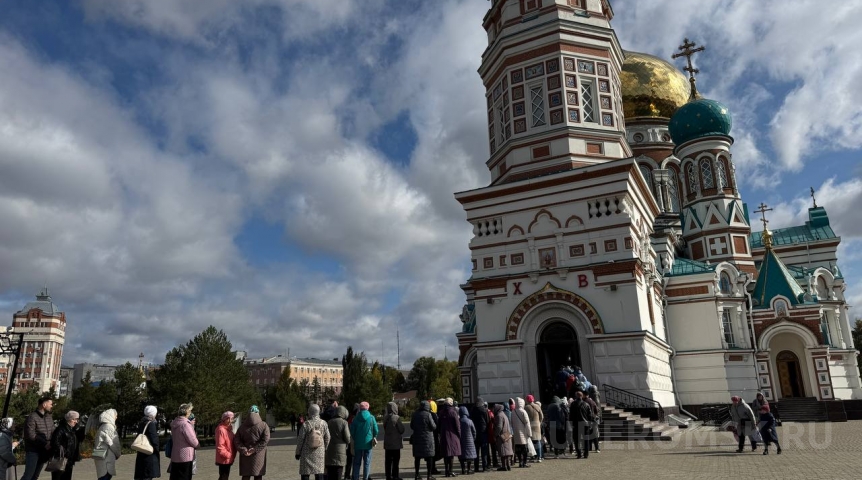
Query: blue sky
x,y
284,169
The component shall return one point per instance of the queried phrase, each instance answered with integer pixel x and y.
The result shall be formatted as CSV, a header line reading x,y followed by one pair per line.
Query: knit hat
x,y
254,409
150,411
734,399
531,399
226,415
364,406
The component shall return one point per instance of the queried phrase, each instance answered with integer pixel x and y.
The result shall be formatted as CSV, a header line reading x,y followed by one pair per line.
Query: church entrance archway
x,y
558,346
789,375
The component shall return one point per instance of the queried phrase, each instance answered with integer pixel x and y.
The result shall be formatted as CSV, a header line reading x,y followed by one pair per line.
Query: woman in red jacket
x,y
225,448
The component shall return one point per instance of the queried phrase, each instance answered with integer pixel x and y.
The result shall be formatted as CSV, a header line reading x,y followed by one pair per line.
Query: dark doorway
x,y
558,345
789,375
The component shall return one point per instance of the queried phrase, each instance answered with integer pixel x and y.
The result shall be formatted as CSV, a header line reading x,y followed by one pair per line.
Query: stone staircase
x,y
807,409
618,424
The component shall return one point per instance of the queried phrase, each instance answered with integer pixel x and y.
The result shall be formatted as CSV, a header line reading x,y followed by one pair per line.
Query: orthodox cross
x,y
687,50
812,197
762,210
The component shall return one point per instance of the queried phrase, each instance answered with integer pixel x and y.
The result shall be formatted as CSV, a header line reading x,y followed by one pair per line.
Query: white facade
x,y
602,244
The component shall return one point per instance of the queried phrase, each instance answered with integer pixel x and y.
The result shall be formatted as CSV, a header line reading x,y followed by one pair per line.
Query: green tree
x,y
84,397
129,385
206,372
288,398
21,404
316,391
375,392
421,376
355,372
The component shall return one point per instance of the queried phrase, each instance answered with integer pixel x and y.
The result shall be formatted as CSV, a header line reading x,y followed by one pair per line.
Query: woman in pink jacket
x,y
184,441
225,449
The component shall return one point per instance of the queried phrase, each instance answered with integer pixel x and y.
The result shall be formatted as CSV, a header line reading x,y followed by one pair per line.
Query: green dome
x,y
700,118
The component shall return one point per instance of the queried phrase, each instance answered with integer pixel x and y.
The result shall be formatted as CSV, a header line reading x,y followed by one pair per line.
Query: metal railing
x,y
715,414
631,401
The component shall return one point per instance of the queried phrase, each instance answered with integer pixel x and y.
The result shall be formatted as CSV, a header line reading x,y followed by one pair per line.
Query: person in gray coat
x,y
504,438
422,426
468,442
393,434
339,439
746,422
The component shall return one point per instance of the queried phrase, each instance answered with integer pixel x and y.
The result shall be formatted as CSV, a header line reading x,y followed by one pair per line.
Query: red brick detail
x,y
542,151
688,291
713,220
735,358
812,325
594,148
836,358
697,250
551,293
740,244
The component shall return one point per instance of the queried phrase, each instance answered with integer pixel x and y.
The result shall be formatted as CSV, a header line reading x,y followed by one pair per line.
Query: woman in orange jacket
x,y
225,448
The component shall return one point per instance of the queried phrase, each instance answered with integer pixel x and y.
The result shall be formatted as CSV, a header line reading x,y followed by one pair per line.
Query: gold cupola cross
x,y
687,49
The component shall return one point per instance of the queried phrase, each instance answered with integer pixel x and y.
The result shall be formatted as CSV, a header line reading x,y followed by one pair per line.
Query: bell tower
x,y
715,225
552,78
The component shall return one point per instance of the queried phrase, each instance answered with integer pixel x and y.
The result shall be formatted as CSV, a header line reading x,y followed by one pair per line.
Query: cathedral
x,y
613,236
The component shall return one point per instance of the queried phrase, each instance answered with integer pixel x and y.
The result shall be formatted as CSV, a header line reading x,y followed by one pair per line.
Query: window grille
x,y
538,103
706,173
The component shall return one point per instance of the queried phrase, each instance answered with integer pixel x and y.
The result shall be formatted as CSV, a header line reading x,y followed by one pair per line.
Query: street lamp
x,y
10,344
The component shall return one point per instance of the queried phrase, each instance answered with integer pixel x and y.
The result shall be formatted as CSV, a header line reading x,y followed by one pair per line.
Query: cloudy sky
x,y
284,169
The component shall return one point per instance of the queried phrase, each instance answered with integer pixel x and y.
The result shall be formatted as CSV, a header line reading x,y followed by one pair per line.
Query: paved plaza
x,y
812,451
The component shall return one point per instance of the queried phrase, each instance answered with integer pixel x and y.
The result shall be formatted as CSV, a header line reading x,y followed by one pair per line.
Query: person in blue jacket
x,y
363,431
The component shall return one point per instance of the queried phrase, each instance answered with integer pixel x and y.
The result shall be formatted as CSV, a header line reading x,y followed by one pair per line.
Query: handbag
x,y
505,436
142,443
58,463
100,452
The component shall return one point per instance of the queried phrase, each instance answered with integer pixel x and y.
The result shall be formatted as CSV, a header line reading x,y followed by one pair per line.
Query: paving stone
x,y
811,451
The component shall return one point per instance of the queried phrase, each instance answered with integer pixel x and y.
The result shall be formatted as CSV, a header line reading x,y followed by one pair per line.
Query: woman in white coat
x,y
521,432
107,439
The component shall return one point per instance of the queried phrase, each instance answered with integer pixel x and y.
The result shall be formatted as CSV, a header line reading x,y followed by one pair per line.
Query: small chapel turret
x,y
714,222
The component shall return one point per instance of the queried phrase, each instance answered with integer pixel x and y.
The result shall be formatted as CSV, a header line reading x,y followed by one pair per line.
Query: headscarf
x,y
450,402
433,405
734,399
226,415
254,409
150,412
342,412
531,398
425,405
313,411
364,406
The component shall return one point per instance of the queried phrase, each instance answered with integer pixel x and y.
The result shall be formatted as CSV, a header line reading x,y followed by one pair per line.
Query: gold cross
x,y
687,50
812,197
762,210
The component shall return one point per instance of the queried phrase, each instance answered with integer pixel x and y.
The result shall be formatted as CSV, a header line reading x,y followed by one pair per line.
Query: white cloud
x,y
803,46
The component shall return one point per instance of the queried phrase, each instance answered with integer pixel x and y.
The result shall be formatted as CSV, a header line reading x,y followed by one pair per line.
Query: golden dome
x,y
652,87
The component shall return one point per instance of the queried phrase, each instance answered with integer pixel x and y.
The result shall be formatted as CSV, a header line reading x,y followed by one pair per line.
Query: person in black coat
x,y
480,421
148,467
423,426
66,439
582,419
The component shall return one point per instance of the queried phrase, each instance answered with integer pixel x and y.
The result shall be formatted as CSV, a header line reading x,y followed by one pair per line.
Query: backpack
x,y
564,415
314,438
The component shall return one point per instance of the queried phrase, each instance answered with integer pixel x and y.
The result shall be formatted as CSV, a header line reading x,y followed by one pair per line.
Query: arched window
x,y
692,178
647,173
706,174
673,190
822,289
722,173
724,284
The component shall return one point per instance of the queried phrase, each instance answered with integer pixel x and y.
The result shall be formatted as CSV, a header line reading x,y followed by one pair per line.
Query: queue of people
x,y
336,444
